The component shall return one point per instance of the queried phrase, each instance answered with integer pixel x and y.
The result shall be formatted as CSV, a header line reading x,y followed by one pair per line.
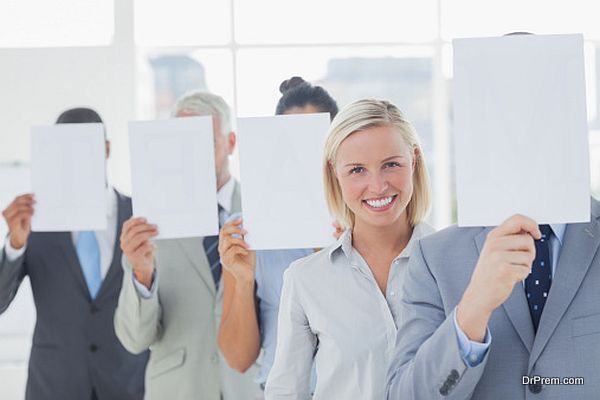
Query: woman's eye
x,y
391,164
357,170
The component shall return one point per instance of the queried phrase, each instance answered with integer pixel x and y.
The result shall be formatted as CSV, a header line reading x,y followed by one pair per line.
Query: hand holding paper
x,y
505,260
235,255
136,243
18,218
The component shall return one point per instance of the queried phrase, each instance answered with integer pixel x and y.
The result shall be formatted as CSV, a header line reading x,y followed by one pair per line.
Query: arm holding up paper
x,y
18,218
505,260
441,342
239,336
12,269
137,317
139,250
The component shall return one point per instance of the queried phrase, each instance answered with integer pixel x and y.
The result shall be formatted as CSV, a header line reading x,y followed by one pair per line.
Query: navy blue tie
x,y
211,248
537,284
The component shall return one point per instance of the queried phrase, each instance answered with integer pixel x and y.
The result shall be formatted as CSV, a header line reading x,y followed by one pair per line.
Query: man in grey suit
x,y
171,298
491,313
75,278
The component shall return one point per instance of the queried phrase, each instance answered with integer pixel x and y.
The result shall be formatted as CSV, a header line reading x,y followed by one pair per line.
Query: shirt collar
x,y
225,195
344,243
559,231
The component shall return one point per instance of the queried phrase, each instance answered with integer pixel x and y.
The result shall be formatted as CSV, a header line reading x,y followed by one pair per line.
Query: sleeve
x,y
137,319
12,271
290,376
427,363
11,253
471,352
142,290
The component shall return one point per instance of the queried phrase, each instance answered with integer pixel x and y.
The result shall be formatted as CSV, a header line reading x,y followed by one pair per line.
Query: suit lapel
x,y
515,306
517,309
65,242
194,251
578,249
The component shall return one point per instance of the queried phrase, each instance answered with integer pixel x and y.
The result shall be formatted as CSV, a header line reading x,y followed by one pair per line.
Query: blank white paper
x,y
173,176
68,177
521,129
283,201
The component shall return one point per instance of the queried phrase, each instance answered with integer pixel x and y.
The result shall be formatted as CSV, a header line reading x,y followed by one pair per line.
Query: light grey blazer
x,y
179,324
427,364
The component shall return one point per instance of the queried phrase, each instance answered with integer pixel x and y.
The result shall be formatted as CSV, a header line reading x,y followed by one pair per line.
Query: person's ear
x,y
231,141
332,168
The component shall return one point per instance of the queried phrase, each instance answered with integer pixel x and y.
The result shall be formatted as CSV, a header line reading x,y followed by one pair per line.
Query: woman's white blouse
x,y
333,310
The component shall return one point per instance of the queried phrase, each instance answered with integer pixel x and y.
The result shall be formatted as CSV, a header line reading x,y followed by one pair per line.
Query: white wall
x,y
38,84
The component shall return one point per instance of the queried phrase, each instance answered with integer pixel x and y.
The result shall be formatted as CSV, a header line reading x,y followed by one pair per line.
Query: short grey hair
x,y
205,103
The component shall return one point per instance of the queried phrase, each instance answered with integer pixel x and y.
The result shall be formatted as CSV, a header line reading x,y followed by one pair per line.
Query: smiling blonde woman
x,y
336,305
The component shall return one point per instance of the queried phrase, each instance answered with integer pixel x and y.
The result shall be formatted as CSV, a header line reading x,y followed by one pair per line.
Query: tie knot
x,y
546,231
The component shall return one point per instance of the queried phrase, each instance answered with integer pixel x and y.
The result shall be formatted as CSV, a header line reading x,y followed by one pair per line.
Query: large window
x,y
399,50
133,58
56,23
182,22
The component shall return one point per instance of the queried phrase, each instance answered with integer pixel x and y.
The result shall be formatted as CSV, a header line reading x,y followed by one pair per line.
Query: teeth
x,y
380,203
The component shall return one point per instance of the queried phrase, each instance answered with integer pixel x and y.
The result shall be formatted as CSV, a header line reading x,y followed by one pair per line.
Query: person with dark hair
x,y
253,280
300,97
76,279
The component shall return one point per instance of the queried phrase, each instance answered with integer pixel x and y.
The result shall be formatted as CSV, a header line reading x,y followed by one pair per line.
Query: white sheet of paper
x,y
173,176
15,180
283,202
68,177
521,129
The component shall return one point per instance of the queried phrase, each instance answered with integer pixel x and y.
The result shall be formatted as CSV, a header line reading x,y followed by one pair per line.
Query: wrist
x,y
245,287
144,276
15,243
242,274
472,319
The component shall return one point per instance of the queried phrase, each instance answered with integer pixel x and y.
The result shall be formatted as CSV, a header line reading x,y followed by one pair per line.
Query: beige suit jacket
x,y
179,324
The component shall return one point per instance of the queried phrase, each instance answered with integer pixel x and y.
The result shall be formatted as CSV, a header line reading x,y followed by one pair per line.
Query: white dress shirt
x,y
224,199
106,239
332,298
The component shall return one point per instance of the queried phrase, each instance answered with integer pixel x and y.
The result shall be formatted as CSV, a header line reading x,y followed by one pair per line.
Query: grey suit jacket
x,y
179,323
427,363
74,346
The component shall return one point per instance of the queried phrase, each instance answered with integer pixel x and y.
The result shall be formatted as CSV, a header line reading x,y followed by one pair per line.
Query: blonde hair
x,y
359,116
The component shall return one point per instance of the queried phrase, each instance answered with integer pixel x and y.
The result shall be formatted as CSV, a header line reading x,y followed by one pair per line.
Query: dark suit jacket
x,y
75,348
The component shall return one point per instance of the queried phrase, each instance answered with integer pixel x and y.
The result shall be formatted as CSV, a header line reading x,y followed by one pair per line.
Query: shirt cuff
x,y
143,290
11,253
472,352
